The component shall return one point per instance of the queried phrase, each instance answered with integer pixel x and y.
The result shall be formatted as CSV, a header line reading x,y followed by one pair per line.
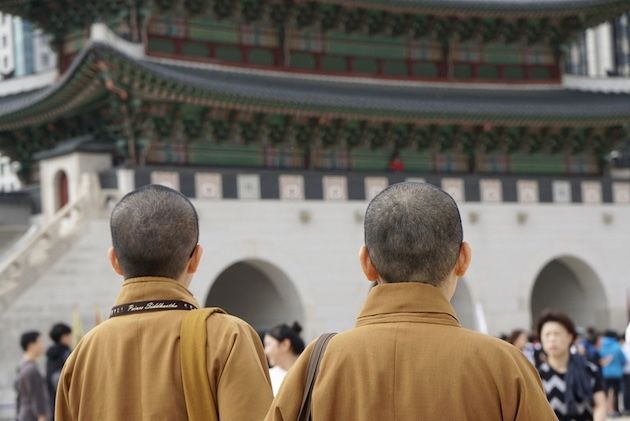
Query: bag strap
x,y
311,375
200,402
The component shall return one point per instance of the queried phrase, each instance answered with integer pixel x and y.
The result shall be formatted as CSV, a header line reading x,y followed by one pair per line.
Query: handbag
x,y
311,375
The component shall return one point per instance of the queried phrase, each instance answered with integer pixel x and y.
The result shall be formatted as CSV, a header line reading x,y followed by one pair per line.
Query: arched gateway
x,y
570,285
258,292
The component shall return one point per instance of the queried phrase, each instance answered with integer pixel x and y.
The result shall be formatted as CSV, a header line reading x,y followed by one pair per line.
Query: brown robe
x,y
128,368
409,359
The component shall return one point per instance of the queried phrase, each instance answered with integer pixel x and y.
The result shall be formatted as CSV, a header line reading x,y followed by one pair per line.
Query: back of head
x,y
58,331
591,335
291,333
413,233
611,334
154,232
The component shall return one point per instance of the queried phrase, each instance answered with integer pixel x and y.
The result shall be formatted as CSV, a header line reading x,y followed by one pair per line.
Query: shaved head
x,y
413,233
154,232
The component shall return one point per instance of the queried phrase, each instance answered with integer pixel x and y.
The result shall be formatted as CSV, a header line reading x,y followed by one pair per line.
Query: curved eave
x,y
303,97
223,87
79,86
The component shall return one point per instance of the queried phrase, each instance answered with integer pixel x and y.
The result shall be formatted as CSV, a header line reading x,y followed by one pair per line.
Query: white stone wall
x,y
315,244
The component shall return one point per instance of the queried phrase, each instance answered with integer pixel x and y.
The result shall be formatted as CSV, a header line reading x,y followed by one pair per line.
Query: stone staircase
x,y
32,256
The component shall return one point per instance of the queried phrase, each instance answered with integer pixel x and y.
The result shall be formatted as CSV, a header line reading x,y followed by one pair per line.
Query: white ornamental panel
x,y
374,185
291,187
248,186
527,191
591,192
561,191
208,186
335,188
454,187
621,193
166,178
491,190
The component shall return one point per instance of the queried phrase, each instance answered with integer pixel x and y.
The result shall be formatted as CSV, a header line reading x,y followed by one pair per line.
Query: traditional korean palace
x,y
280,119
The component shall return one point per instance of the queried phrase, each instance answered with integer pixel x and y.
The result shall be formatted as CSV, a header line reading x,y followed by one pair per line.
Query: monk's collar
x,y
406,298
153,288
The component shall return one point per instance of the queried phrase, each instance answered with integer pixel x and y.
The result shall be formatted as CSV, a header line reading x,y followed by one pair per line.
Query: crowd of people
x,y
160,357
584,365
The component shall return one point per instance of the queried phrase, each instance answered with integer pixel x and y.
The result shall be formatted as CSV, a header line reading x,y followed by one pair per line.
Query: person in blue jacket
x,y
613,361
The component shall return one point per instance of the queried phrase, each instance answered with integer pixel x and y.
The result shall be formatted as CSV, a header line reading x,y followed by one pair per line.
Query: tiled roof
x,y
276,93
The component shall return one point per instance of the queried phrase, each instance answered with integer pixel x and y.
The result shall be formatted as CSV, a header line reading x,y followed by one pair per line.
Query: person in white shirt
x,y
283,346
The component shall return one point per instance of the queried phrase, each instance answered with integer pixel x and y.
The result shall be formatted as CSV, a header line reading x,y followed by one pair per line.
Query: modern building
x,y
24,49
602,51
281,120
7,56
599,58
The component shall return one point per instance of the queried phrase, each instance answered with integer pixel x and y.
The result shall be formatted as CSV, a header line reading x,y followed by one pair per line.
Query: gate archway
x,y
570,285
258,292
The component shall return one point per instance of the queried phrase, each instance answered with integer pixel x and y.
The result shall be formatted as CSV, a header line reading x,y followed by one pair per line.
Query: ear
x,y
366,265
285,345
113,260
464,259
193,263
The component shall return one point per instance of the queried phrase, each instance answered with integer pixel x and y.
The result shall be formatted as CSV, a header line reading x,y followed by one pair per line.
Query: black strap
x,y
149,307
311,375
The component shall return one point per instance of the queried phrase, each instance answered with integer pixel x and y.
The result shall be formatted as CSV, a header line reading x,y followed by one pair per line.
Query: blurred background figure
x,y
396,163
573,385
613,361
518,338
32,394
587,346
521,340
56,356
626,375
283,345
534,351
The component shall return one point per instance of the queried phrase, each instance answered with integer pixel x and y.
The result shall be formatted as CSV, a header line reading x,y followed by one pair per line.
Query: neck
x,y
184,280
29,357
559,363
286,362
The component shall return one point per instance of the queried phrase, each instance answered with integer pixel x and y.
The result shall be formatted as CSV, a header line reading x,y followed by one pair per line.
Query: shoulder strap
x,y
200,402
311,375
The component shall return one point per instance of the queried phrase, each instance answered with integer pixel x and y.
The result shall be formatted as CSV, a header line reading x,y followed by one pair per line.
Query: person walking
x,y
56,356
613,362
156,357
573,385
283,346
33,402
408,358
